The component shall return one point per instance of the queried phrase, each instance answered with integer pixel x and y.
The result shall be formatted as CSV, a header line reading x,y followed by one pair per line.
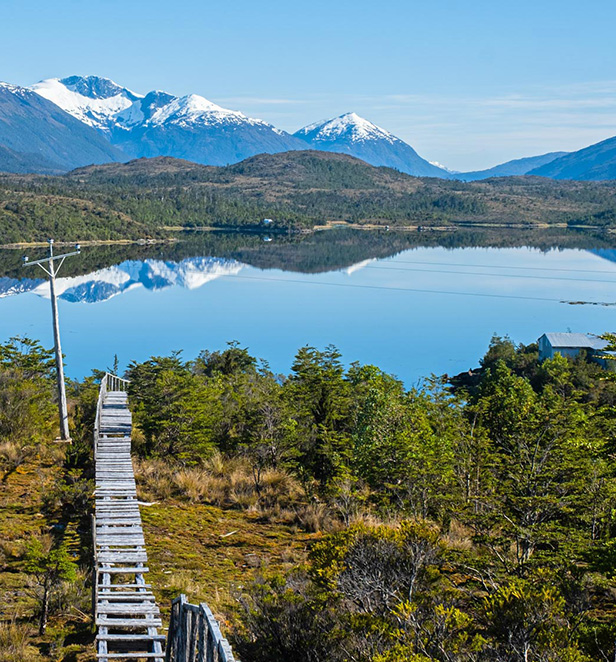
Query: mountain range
x,y
515,168
60,124
160,124
594,163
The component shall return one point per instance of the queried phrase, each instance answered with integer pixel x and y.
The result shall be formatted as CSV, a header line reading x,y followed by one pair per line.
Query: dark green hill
x,y
148,198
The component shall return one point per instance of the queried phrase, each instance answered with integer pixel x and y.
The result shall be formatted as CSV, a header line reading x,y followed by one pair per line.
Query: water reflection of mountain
x,y
104,284
605,253
162,265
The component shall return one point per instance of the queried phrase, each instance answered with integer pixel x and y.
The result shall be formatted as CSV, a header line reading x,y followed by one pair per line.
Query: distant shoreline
x,y
328,225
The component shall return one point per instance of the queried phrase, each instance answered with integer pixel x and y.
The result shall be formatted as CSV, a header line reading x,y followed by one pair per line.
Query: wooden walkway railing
x,y
125,609
194,635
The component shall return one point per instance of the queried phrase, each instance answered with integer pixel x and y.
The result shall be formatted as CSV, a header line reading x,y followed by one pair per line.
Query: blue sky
x,y
468,84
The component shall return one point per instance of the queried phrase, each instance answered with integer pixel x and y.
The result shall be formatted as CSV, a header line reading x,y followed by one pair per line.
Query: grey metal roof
x,y
581,340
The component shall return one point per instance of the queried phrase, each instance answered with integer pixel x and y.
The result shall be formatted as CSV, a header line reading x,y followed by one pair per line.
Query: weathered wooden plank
x,y
127,597
121,586
130,656
127,608
131,637
129,622
124,530
119,557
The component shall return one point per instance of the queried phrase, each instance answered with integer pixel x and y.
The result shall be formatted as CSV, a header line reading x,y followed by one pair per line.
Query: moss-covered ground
x,y
209,553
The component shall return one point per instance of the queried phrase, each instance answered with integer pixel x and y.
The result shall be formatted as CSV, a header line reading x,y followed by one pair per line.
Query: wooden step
x,y
125,623
116,586
130,656
127,597
145,608
120,541
131,637
121,557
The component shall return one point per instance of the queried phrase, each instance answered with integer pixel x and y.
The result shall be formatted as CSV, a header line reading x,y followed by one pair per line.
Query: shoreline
x,y
89,242
328,225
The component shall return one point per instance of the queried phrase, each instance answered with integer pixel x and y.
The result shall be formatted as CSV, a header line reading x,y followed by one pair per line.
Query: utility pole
x,y
51,271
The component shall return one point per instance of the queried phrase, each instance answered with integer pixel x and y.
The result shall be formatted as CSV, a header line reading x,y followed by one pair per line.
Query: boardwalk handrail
x,y
109,382
194,635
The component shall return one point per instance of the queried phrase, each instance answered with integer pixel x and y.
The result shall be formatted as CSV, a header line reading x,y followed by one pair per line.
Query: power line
x,y
417,290
499,266
475,273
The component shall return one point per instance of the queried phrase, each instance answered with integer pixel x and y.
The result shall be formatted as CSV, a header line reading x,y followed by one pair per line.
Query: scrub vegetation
x,y
332,513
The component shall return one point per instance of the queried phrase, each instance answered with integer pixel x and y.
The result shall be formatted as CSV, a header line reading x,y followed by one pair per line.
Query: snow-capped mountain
x,y
93,100
354,135
104,284
160,124
37,136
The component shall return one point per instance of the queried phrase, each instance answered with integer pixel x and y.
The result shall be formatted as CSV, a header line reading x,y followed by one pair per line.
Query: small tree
x,y
50,566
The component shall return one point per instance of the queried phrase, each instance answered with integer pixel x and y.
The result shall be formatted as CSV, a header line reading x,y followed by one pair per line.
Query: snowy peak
x,y
349,126
96,87
194,109
93,100
354,135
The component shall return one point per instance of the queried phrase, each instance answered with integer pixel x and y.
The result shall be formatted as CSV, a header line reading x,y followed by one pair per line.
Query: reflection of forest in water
x,y
311,253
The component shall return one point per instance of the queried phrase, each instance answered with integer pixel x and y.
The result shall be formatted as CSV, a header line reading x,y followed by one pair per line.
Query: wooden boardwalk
x,y
127,616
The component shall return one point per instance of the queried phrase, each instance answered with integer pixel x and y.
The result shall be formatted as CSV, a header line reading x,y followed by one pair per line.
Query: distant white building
x,y
571,344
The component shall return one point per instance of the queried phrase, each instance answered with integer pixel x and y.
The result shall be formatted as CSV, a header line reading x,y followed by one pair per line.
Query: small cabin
x,y
571,345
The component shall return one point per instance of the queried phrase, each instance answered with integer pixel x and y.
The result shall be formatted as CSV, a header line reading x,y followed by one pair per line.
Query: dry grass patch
x,y
15,642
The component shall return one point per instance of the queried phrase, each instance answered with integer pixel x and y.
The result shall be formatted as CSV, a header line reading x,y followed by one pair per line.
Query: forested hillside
x,y
148,198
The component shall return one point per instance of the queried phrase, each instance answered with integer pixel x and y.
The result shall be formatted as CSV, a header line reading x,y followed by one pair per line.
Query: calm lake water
x,y
419,311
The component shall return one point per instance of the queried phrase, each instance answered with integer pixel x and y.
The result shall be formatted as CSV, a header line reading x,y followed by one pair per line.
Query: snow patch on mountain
x,y
349,271
440,165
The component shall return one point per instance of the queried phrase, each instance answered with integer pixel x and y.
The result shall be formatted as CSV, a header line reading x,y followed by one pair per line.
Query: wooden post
x,y
172,634
202,635
182,638
194,625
